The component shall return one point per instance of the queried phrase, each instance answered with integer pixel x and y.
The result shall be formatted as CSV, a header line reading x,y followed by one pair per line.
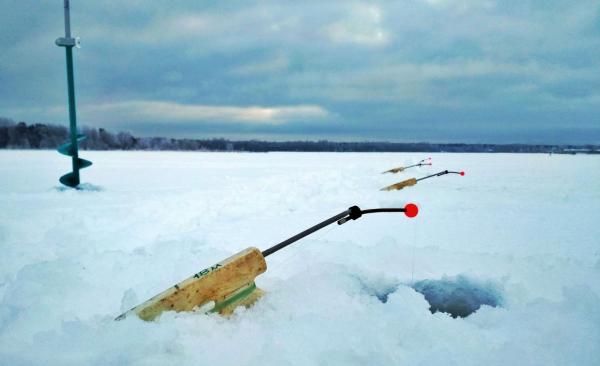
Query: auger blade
x,y
66,149
82,163
400,185
70,180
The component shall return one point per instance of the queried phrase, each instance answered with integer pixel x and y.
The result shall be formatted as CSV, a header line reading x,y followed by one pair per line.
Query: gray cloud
x,y
442,70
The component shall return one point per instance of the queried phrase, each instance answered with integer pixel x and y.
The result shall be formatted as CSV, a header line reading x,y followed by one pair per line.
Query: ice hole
x,y
459,296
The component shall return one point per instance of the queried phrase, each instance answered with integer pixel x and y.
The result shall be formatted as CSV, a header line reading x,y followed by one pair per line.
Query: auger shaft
x,y
71,148
72,110
67,19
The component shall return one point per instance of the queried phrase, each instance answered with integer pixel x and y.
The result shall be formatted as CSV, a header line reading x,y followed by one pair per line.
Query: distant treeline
x,y
43,136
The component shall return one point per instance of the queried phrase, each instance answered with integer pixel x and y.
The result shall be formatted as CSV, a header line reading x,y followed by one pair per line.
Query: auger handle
x,y
353,213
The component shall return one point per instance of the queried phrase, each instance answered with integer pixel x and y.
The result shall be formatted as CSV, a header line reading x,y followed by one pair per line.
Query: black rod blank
x,y
306,232
352,213
440,173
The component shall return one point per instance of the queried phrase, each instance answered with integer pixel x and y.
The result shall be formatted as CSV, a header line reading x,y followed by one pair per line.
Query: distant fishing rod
x,y
413,181
402,168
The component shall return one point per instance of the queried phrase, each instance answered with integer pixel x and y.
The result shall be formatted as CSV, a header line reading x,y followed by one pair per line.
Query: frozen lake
x,y
73,260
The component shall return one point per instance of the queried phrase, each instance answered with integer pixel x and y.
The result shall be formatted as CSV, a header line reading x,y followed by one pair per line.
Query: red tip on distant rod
x,y
411,210
462,173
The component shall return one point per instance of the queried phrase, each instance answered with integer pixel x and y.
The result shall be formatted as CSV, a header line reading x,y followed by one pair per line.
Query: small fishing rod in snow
x,y
403,168
413,181
228,284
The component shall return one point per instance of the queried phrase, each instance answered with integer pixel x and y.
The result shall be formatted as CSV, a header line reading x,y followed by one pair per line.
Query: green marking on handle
x,y
233,299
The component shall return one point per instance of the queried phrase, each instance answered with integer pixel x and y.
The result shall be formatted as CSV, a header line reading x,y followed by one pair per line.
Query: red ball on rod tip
x,y
411,210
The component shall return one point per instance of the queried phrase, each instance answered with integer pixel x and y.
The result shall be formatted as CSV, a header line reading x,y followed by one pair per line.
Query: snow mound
x,y
82,187
459,296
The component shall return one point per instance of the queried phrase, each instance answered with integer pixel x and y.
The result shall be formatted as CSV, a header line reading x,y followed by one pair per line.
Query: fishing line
x,y
414,251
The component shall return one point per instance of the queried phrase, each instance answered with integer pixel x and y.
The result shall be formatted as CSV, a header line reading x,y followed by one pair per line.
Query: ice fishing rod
x,y
413,181
71,147
403,168
353,213
230,283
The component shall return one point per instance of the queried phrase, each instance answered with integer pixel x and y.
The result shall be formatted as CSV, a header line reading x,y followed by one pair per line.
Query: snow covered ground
x,y
70,261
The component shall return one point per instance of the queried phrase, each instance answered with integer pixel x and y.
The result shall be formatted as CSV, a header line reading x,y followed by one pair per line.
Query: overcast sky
x,y
419,70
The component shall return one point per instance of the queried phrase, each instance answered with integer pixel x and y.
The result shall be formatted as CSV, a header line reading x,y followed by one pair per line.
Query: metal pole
x,y
72,112
71,96
71,148
67,20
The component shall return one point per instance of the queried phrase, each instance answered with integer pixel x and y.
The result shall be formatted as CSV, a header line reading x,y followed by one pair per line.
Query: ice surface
x,y
70,261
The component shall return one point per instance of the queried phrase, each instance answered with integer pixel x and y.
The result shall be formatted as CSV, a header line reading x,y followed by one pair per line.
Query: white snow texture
x,y
71,261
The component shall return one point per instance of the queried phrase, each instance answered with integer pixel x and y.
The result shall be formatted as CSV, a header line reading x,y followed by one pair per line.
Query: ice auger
x,y
230,283
403,168
413,181
71,147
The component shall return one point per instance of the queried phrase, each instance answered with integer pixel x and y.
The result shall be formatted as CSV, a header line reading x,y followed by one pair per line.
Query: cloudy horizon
x,y
420,70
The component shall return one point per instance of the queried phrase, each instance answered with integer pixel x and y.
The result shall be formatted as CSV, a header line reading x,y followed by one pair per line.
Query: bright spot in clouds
x,y
362,27
163,111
